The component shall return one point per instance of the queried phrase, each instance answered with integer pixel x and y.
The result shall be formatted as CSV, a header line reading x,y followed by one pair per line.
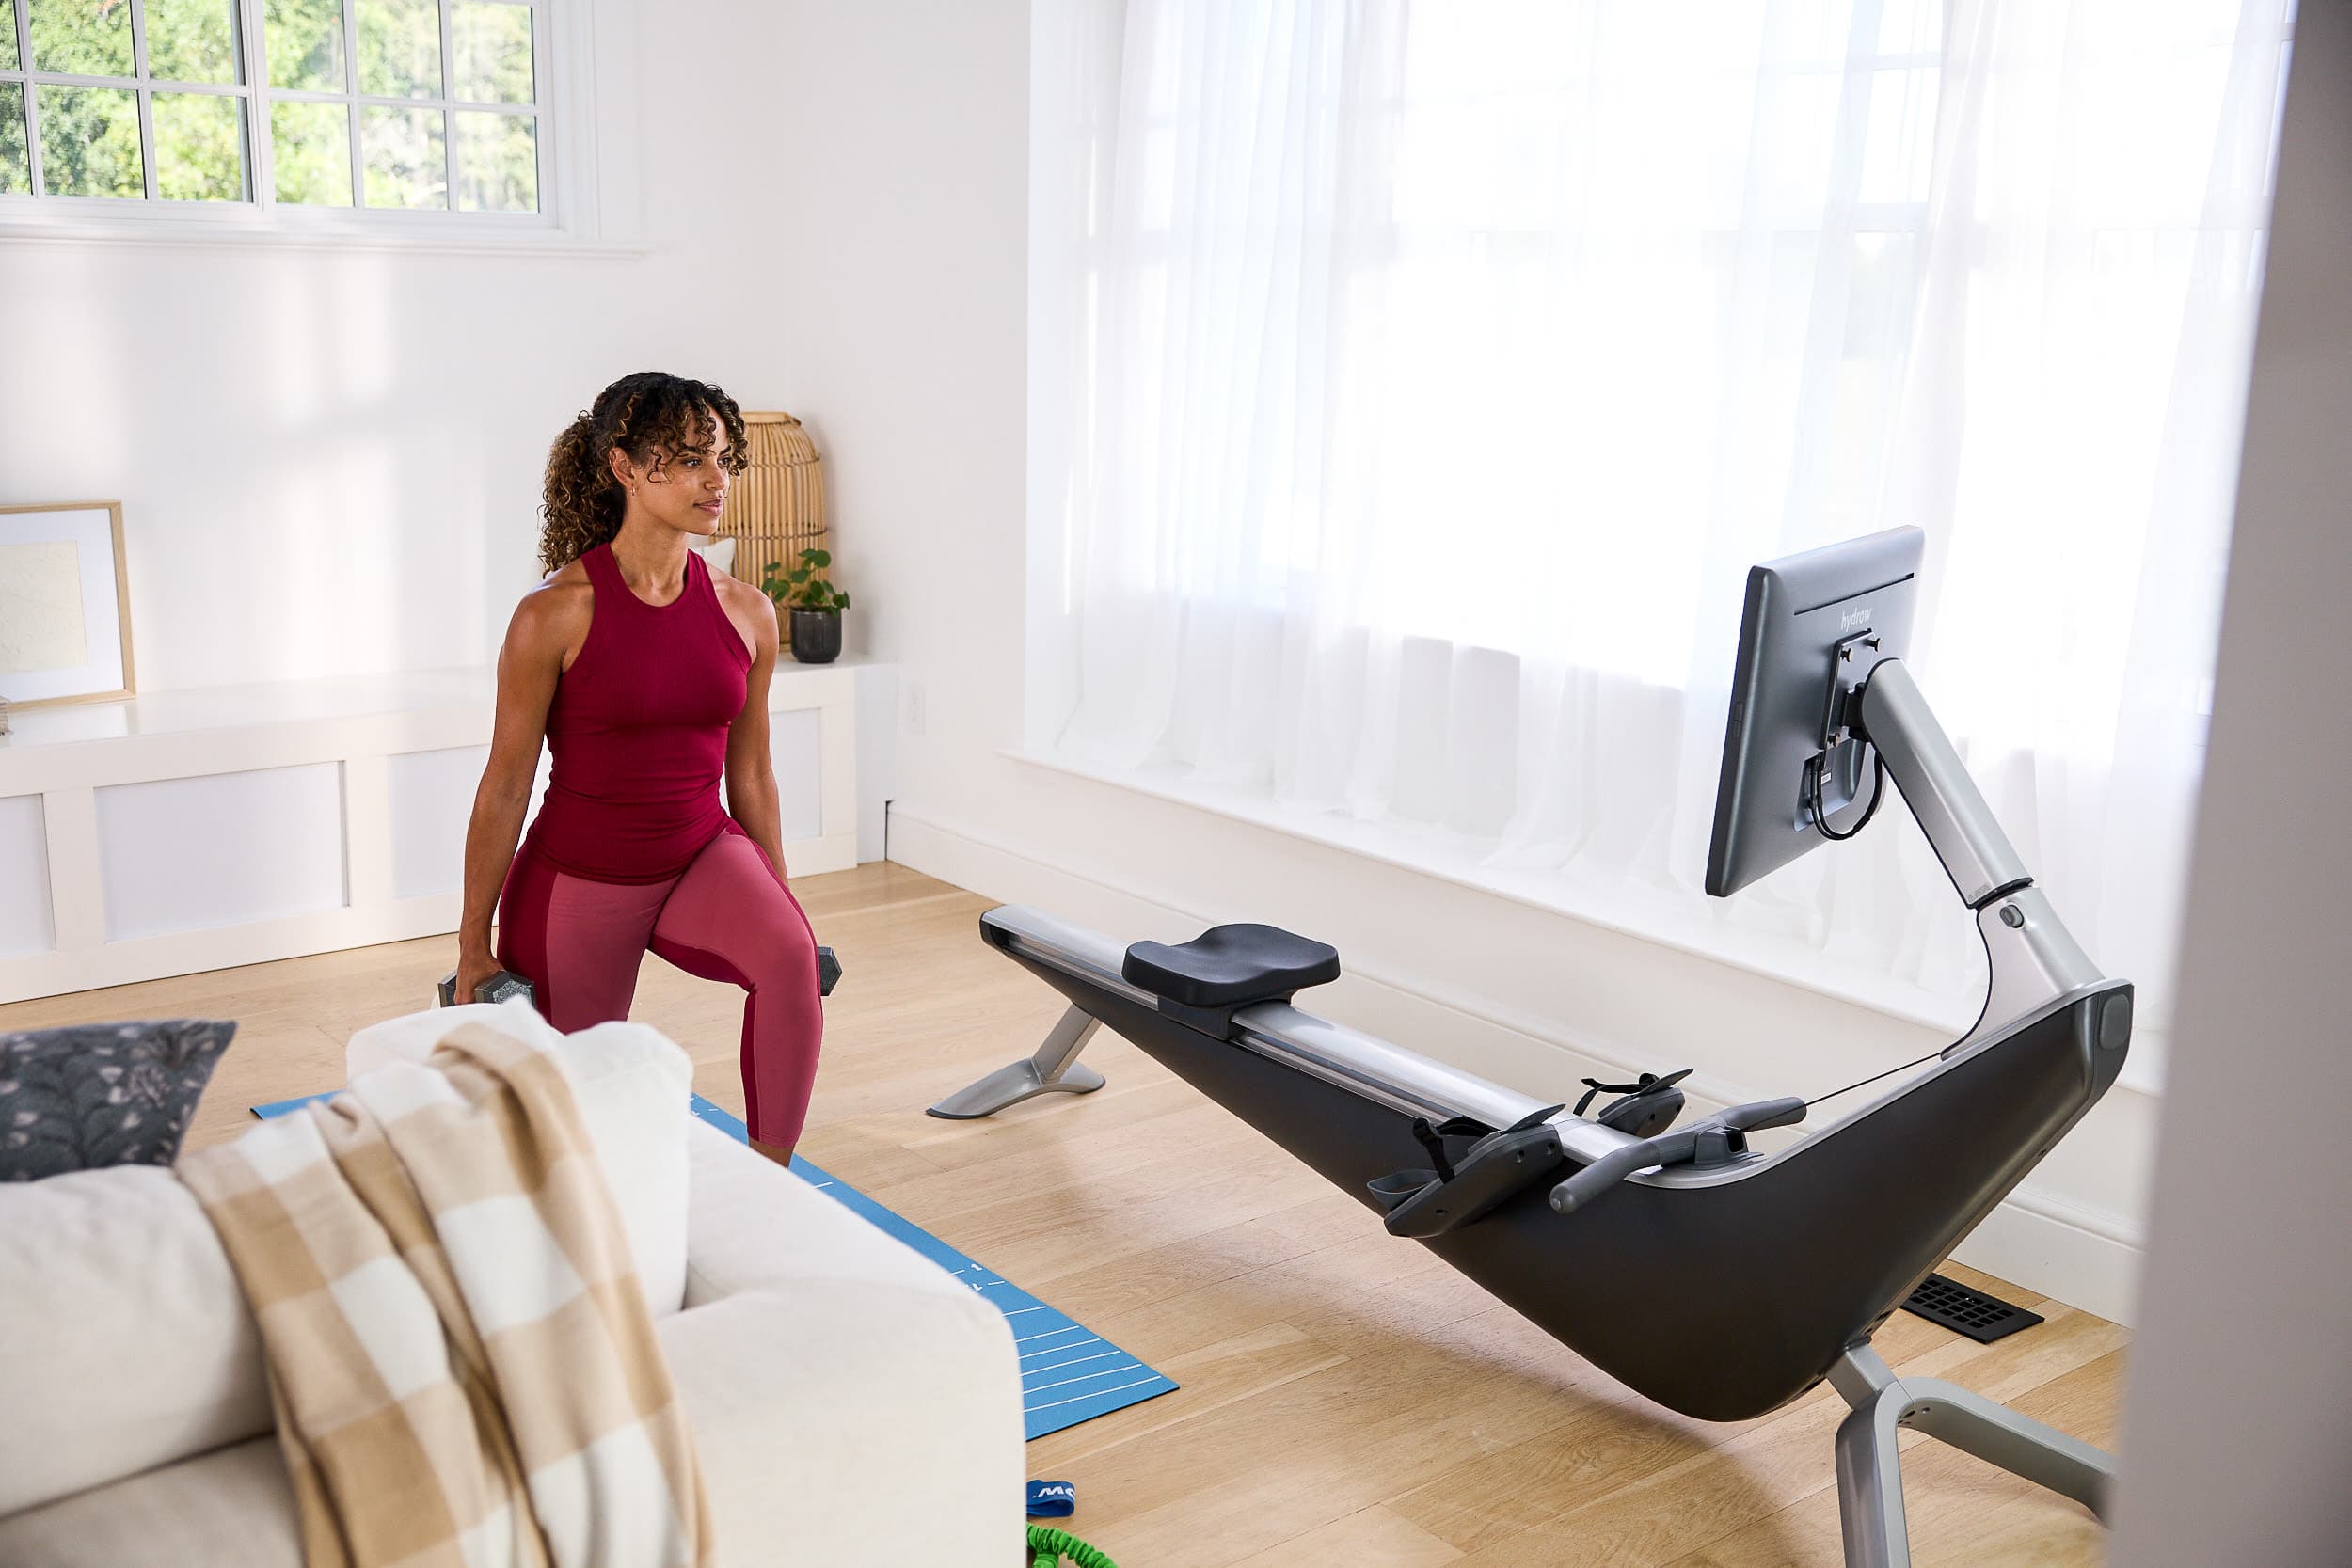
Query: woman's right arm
x,y
529,663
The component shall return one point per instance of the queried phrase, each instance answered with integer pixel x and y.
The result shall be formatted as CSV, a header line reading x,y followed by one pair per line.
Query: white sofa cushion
x,y
843,1390
744,1231
632,1085
125,1342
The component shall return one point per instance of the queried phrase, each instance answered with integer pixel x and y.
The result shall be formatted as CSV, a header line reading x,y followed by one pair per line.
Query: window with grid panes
x,y
400,105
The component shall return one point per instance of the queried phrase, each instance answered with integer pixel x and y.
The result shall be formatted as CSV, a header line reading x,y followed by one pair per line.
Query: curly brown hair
x,y
651,417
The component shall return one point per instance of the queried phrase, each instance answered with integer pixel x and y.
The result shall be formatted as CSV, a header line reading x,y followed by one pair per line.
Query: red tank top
x,y
638,731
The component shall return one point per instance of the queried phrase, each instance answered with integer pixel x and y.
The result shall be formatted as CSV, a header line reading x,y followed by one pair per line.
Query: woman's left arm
x,y
751,772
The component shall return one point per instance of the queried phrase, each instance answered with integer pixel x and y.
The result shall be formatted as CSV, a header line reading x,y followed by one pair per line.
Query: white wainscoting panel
x,y
796,742
431,795
25,924
186,831
220,850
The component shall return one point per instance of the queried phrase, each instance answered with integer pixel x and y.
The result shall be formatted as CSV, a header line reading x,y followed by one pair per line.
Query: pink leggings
x,y
727,916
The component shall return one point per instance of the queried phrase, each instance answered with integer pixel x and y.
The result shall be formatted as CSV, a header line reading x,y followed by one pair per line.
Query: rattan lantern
x,y
776,508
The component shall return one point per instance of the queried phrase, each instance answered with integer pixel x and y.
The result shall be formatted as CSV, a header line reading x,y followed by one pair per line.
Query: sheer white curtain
x,y
1437,370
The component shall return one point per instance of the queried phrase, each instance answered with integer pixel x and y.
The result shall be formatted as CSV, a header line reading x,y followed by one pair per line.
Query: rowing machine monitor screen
x,y
1795,773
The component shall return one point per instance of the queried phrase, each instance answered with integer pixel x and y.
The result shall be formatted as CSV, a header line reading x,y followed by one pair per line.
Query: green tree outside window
x,y
204,143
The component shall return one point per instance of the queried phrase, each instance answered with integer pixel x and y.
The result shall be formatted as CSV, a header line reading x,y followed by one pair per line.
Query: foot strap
x,y
1052,1500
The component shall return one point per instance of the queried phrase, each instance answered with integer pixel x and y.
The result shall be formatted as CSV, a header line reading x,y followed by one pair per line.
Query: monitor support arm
x,y
2034,960
1967,838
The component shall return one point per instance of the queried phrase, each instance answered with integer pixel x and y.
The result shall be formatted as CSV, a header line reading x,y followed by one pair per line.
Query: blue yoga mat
x,y
1068,1374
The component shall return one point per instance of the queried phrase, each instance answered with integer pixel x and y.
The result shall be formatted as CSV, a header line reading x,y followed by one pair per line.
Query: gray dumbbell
x,y
497,987
828,972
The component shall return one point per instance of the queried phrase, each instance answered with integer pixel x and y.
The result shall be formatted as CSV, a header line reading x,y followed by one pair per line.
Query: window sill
x,y
407,233
1648,915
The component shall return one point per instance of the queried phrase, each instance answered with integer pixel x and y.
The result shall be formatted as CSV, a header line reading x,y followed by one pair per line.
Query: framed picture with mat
x,y
65,604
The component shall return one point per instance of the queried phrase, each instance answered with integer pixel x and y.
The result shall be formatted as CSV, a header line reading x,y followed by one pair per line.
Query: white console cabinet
x,y
187,831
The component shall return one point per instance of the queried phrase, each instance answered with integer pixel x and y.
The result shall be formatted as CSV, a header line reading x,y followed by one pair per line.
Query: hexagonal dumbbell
x,y
828,972
497,987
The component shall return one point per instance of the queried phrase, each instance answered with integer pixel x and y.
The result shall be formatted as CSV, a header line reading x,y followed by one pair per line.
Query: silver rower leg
x,y
1053,1069
1869,1470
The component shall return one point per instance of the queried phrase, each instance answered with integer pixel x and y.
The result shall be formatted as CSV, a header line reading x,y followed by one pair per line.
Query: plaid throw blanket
x,y
463,1368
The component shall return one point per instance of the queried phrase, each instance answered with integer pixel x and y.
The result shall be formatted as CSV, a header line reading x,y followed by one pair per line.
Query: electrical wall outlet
x,y
914,715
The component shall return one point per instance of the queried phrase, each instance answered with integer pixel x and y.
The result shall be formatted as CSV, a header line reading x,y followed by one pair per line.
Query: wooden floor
x,y
1347,1399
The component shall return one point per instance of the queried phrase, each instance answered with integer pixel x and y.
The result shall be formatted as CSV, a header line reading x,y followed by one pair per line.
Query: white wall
x,y
329,461
2239,1422
903,185
913,209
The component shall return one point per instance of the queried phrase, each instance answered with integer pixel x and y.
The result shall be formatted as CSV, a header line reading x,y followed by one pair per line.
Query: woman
x,y
647,677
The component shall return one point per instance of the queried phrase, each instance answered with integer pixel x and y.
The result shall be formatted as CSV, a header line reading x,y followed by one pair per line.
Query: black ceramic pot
x,y
815,636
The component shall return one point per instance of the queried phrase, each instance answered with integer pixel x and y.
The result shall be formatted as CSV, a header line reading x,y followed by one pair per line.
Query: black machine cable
x,y
1812,771
1876,1076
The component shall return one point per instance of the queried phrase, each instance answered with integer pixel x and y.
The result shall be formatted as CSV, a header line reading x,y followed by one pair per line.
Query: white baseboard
x,y
2083,1258
2088,1258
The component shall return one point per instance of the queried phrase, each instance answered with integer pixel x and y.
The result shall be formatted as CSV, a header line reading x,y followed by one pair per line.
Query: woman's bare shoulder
x,y
570,576
738,595
555,614
746,606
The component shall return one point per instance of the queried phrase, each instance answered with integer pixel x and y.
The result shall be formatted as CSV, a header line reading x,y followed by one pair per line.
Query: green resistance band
x,y
1050,1546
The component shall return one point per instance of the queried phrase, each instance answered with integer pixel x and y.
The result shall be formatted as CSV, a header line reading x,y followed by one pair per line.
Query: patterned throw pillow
x,y
93,1095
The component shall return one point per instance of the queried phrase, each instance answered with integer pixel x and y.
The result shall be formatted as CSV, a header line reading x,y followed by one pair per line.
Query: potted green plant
x,y
816,604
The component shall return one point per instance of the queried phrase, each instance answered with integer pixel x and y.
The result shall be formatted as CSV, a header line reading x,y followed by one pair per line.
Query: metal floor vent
x,y
1981,1318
